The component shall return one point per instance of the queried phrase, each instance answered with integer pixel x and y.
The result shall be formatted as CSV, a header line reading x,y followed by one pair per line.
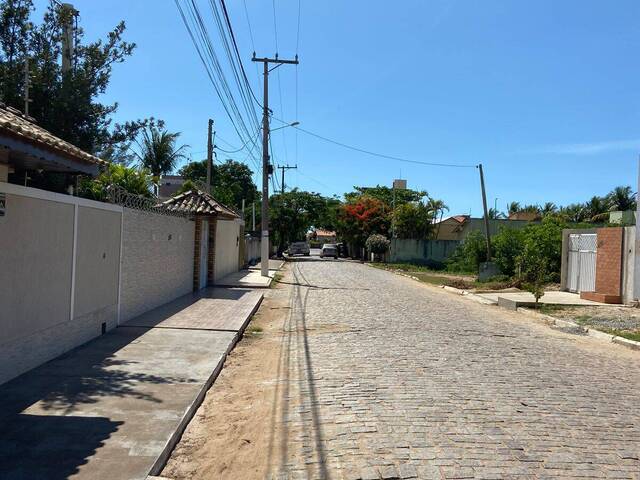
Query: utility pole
x,y
486,213
283,168
266,167
68,14
209,155
27,85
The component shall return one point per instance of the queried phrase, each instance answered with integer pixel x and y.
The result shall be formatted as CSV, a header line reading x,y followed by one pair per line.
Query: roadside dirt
x,y
234,434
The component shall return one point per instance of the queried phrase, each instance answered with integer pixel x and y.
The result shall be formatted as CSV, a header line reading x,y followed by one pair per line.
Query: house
x,y
323,236
25,146
527,216
170,185
457,227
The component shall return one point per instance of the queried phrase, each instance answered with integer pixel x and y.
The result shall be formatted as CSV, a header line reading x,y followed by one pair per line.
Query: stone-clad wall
x,y
157,261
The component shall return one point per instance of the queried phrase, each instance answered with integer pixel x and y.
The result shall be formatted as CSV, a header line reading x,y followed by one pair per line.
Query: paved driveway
x,y
383,377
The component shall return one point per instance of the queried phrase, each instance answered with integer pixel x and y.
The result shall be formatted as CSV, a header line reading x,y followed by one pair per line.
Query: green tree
x,y
548,208
469,254
507,247
514,207
293,213
232,181
596,209
542,241
65,103
388,196
132,180
158,151
413,220
621,198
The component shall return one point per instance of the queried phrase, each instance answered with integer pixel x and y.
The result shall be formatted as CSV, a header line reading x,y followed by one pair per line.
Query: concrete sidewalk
x,y
114,408
247,279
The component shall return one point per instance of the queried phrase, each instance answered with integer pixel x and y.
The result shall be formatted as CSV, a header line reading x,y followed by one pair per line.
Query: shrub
x,y
507,246
377,244
469,254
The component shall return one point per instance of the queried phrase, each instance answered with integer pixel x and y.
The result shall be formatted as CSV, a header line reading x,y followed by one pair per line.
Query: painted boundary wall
x,y
59,268
411,250
227,248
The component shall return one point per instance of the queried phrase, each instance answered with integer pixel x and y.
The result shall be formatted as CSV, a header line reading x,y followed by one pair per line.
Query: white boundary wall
x,y
59,269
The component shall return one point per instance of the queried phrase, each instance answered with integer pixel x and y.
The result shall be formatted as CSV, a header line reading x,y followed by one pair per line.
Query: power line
x,y
382,155
275,25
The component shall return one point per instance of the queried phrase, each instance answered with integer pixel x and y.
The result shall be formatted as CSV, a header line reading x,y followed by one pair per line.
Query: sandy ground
x,y
234,434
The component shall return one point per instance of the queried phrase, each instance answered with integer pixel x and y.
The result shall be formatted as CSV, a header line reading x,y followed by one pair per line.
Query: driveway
x,y
383,377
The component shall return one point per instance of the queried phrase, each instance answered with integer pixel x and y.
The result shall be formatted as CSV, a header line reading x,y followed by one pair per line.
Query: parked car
x,y
329,250
299,248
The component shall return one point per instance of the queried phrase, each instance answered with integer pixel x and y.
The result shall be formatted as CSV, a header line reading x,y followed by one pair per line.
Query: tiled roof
x,y
197,202
325,233
17,125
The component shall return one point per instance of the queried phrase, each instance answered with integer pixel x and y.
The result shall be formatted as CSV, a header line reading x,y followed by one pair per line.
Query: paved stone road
x,y
388,378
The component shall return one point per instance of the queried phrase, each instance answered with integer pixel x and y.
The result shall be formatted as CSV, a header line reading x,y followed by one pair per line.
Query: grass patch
x,y
635,336
582,319
550,309
253,330
277,277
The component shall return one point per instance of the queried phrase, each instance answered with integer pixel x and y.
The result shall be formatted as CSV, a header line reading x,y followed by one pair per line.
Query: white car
x,y
329,250
299,248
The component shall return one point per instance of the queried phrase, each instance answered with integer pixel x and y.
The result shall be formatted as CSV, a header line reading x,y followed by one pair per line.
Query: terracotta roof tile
x,y
197,202
14,123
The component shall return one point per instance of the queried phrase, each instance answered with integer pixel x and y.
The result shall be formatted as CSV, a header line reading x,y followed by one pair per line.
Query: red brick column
x,y
196,254
211,257
608,266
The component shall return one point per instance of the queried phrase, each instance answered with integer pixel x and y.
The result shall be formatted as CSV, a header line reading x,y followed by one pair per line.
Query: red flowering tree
x,y
362,217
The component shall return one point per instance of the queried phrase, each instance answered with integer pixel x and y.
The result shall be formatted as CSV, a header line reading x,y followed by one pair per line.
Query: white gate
x,y
582,262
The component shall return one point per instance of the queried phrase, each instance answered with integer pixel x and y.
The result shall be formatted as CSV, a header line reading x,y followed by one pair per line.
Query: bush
x,y
377,244
469,254
507,247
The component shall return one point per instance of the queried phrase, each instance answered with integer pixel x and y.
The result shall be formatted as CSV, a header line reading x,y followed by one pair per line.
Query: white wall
x,y
227,248
58,275
157,261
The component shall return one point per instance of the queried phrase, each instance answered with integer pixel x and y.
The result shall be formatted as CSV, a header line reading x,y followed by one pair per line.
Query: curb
x,y
191,410
553,321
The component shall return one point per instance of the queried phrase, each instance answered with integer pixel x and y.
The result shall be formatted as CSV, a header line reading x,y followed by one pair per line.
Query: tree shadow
x,y
50,447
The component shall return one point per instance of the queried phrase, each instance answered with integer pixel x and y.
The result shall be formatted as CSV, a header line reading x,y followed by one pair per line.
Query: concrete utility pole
x,y
27,85
209,155
486,213
69,14
266,167
253,214
283,168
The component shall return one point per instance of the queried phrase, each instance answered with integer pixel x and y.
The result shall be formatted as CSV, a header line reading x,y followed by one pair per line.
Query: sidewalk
x,y
114,408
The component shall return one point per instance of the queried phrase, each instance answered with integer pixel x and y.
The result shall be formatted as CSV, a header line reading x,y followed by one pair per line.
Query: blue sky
x,y
544,94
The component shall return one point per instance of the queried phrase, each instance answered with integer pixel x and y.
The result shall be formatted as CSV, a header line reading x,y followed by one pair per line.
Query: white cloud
x,y
589,148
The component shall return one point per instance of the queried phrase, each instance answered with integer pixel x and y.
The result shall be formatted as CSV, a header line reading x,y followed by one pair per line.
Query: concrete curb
x,y
190,412
553,321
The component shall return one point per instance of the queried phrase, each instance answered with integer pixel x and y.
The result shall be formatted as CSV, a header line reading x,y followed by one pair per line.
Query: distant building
x,y
323,236
400,184
169,185
458,227
628,217
528,216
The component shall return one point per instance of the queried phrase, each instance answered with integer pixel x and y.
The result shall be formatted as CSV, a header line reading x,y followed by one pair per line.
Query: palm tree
x,y
621,198
574,212
514,207
495,214
549,208
596,209
437,207
158,152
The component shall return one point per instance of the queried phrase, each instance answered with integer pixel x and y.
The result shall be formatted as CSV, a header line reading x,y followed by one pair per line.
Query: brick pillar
x,y
211,257
196,254
609,261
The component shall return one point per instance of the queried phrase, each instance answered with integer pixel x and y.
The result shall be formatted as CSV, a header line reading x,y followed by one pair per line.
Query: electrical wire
x,y
380,155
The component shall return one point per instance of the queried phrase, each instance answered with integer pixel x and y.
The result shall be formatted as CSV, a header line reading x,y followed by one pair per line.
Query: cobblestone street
x,y
382,377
